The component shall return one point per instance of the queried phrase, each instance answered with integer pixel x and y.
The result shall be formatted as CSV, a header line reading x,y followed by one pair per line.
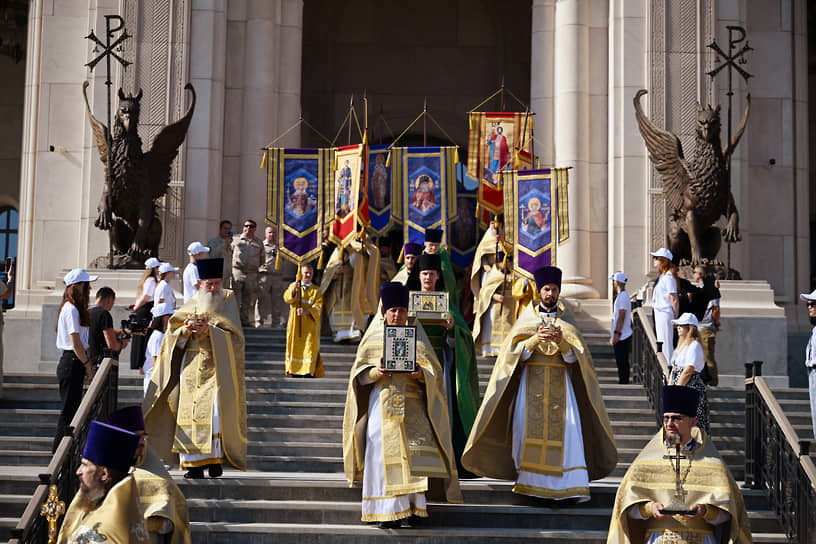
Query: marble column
x,y
571,129
202,192
541,78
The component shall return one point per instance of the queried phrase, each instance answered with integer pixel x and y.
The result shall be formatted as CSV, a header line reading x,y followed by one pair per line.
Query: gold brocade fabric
x,y
546,398
651,479
117,520
502,314
161,497
178,404
524,294
489,448
486,247
336,289
303,350
415,422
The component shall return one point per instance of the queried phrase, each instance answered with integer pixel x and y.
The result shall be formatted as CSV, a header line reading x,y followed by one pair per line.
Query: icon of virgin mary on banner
x,y
299,199
428,178
498,143
535,203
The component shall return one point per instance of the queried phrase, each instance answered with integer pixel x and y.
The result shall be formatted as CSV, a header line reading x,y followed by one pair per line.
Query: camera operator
x,y
104,339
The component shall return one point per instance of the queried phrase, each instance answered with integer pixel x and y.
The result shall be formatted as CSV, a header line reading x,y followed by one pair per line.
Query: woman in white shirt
x,y
73,327
141,309
688,362
665,303
161,316
164,293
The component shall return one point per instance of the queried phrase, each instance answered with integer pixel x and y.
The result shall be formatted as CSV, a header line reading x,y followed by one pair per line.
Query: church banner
x,y
427,176
535,216
347,193
498,142
300,199
384,196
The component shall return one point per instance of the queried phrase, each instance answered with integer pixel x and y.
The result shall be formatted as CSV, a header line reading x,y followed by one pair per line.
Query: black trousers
x,y
622,350
138,344
71,378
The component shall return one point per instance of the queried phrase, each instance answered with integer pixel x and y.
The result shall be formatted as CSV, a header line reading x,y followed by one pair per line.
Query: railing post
x,y
751,443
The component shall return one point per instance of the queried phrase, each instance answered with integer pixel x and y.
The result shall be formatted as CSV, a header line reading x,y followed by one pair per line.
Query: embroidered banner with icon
x,y
536,217
427,176
498,143
384,195
300,199
348,172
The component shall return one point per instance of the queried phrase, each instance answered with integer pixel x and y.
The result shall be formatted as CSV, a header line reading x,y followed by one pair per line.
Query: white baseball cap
x,y
77,275
161,308
806,297
167,267
686,319
152,262
662,252
197,247
619,277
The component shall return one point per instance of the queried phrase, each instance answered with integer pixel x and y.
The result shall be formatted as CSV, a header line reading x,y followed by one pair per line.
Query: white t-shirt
x,y
153,346
149,287
165,291
691,355
666,285
68,324
622,302
190,281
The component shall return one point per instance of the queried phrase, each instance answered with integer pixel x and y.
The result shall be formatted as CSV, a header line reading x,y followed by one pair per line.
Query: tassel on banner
x,y
478,209
299,275
401,257
516,159
320,261
277,260
263,159
388,159
470,121
456,155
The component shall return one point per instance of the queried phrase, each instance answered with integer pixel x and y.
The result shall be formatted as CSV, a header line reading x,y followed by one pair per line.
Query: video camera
x,y
134,324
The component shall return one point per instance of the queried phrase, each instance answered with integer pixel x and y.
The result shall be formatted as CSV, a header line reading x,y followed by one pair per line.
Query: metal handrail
x,y
649,365
777,460
99,400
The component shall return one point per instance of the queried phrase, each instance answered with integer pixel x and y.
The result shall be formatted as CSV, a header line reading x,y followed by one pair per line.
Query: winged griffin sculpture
x,y
127,208
697,190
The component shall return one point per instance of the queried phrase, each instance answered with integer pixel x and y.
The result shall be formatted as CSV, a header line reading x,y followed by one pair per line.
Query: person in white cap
x,y
161,315
189,278
142,308
665,302
688,362
73,329
164,290
810,354
621,329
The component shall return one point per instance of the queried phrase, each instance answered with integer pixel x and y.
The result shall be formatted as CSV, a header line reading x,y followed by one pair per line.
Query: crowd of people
x,y
407,436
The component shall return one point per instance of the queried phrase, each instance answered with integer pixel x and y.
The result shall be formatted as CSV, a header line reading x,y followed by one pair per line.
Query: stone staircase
x,y
295,490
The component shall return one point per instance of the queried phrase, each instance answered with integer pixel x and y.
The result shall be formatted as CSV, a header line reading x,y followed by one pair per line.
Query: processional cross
x,y
52,509
678,503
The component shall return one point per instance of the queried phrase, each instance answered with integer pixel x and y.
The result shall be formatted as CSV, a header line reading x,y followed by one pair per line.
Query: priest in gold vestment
x,y
106,508
349,289
711,494
164,505
195,405
303,328
496,308
543,422
396,428
485,257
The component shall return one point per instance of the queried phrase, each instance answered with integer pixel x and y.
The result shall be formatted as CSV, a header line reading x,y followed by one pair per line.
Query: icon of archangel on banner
x,y
347,196
535,201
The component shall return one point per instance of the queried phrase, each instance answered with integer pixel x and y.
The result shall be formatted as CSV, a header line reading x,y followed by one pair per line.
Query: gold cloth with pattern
x,y
178,405
502,314
303,351
490,444
486,248
117,520
161,497
416,430
524,294
651,479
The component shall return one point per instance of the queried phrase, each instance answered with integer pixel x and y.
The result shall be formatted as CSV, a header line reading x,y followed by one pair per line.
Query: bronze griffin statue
x,y
698,190
127,208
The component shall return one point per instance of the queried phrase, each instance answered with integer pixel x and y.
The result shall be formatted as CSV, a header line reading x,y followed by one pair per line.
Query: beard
x,y
813,320
88,499
210,302
673,438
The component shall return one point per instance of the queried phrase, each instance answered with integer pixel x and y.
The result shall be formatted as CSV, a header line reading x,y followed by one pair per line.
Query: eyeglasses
x,y
673,419
811,304
249,226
